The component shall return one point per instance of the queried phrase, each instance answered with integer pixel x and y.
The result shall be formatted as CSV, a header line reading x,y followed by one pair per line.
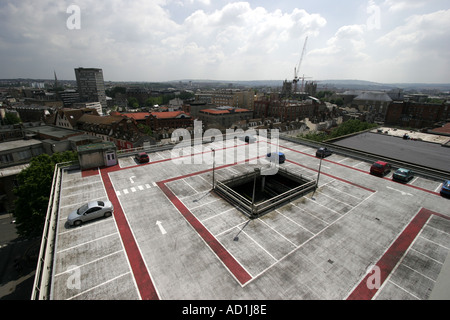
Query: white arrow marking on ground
x,y
402,192
131,179
159,224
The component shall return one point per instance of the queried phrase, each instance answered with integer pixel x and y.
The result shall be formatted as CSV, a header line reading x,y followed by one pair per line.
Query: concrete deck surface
x,y
357,237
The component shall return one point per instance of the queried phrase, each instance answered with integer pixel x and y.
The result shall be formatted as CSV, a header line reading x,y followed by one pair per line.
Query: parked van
x,y
380,168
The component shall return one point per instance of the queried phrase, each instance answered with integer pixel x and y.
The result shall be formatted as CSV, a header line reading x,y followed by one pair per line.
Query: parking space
x,y
89,249
260,244
417,182
172,237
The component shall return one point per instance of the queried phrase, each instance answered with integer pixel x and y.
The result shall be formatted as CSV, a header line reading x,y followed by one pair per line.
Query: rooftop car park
x,y
357,236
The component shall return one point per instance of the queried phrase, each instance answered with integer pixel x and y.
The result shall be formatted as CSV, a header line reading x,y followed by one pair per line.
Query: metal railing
x,y
255,210
425,171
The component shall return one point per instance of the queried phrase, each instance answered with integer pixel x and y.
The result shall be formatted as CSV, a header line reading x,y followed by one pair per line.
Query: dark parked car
x,y
142,157
89,211
281,157
248,139
380,168
445,190
323,152
403,175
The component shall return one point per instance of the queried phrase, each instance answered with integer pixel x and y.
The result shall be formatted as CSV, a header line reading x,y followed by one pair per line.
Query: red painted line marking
x,y
366,172
89,172
145,285
334,177
393,255
236,269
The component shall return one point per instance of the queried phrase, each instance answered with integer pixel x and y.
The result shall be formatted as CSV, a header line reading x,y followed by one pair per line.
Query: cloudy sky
x,y
159,40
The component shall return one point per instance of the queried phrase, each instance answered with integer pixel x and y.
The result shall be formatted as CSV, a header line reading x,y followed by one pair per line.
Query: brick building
x,y
224,117
122,131
415,114
228,98
286,110
160,120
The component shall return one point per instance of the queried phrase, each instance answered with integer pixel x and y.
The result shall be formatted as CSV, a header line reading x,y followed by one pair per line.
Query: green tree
x,y
33,191
151,101
11,118
133,102
145,129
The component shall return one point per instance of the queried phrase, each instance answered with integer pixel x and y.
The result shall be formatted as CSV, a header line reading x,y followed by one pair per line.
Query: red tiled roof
x,y
94,119
218,111
443,129
169,114
136,115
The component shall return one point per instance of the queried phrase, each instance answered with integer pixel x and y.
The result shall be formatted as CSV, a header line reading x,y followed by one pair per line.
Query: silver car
x,y
89,211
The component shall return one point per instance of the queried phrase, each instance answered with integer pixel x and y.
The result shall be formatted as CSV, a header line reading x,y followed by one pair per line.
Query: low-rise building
x,y
229,97
68,117
122,131
169,119
416,114
286,110
224,117
15,156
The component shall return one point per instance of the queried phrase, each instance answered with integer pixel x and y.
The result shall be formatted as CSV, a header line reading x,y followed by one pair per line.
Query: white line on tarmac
x,y
99,285
260,220
401,288
184,180
310,239
256,242
216,215
403,256
90,241
92,261
439,187
414,180
279,212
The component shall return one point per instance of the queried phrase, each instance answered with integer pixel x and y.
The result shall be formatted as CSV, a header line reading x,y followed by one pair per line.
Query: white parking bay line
x,y
125,191
147,186
133,189
140,187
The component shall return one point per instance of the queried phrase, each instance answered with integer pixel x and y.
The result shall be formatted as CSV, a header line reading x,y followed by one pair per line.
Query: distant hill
x,y
369,85
332,84
322,84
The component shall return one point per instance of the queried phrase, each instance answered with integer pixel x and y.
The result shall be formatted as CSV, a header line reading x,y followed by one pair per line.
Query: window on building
x,y
24,155
6,158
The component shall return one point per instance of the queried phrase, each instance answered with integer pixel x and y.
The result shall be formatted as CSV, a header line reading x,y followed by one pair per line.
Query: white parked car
x,y
89,211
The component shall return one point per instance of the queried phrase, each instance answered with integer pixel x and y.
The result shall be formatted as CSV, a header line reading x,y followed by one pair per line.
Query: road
x,y
15,283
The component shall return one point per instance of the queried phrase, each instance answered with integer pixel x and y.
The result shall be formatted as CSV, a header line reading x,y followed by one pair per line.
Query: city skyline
x,y
384,41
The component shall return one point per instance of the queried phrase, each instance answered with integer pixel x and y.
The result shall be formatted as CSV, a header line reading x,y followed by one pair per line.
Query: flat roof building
x,y
91,86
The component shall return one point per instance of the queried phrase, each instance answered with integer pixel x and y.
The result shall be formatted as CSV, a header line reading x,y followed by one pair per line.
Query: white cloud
x,y
420,48
238,35
420,29
138,39
174,39
348,44
401,5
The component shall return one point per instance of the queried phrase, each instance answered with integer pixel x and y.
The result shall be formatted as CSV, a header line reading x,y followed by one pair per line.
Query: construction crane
x,y
297,68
